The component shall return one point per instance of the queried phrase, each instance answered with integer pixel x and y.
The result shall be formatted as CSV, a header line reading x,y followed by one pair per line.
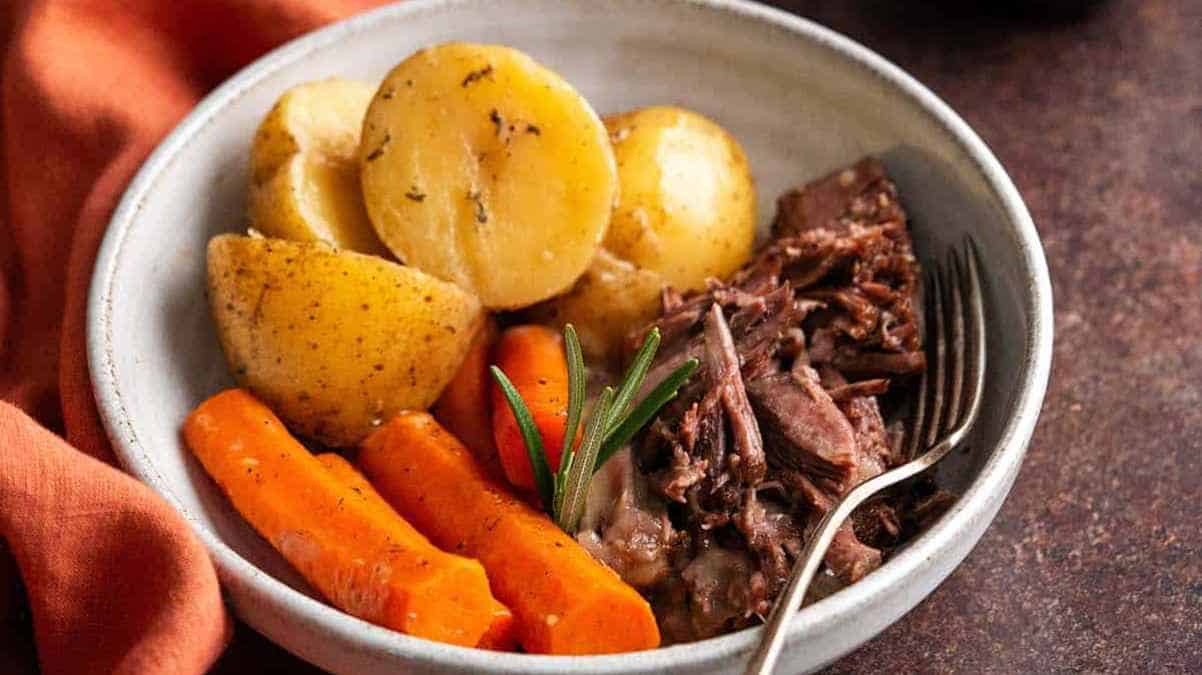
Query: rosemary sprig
x,y
611,424
633,379
664,392
576,393
575,490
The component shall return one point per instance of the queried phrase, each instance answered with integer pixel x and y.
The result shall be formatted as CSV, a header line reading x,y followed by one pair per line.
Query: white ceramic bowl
x,y
800,98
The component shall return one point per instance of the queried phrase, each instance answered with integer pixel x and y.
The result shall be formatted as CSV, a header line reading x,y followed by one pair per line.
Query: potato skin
x,y
484,168
304,171
335,341
609,301
687,201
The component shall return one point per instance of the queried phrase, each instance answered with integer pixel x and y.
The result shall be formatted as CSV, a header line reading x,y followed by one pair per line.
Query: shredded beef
x,y
625,526
713,592
844,392
807,356
722,367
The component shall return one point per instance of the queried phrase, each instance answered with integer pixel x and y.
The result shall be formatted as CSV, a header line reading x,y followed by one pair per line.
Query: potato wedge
x,y
335,341
609,301
687,202
304,171
485,169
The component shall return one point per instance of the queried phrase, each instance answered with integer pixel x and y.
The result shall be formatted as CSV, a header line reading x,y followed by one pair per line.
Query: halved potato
x,y
486,169
333,341
304,171
609,301
323,117
687,202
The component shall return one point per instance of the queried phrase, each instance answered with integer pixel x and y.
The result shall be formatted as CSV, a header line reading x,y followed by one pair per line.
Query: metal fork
x,y
955,343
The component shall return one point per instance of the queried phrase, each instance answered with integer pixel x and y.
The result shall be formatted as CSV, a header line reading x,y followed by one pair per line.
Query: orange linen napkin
x,y
116,581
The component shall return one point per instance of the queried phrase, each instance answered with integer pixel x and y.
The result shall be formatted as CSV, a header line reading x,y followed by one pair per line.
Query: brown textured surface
x,y
1095,561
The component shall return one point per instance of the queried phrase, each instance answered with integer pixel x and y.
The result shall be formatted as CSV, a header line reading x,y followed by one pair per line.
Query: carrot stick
x,y
464,407
533,359
346,473
565,602
500,635
369,563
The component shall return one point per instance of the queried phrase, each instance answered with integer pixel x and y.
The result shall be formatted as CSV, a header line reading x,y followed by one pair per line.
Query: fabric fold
x,y
115,579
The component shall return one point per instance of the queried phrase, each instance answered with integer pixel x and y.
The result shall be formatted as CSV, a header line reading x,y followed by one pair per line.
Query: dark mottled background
x,y
1095,561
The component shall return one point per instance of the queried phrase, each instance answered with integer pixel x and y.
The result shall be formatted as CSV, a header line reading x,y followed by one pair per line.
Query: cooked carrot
x,y
500,634
564,601
346,473
369,563
464,407
532,357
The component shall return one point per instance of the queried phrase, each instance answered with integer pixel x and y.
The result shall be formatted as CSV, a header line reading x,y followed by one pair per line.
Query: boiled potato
x,y
687,203
314,199
304,170
324,117
485,169
334,341
609,301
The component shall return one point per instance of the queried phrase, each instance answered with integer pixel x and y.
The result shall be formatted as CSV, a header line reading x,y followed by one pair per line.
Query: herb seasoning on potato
x,y
335,341
515,168
305,169
658,494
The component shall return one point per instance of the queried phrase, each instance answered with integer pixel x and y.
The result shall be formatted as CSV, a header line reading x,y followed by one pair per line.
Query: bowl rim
x,y
996,475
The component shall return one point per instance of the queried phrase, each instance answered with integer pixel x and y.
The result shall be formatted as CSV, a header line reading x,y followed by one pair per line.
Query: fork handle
x,y
773,638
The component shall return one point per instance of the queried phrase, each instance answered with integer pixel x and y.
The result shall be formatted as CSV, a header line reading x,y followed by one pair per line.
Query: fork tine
x,y
936,369
955,301
918,419
971,279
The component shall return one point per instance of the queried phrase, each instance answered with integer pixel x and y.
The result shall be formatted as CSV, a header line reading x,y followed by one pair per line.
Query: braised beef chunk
x,y
774,535
625,526
806,355
712,593
849,558
860,194
805,428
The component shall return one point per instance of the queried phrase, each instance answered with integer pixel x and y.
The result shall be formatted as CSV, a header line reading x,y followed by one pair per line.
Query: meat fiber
x,y
805,354
626,527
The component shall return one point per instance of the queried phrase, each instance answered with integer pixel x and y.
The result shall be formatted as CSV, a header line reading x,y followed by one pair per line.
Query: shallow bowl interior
x,y
800,99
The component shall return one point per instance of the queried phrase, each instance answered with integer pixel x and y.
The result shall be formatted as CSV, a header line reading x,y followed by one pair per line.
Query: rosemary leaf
x,y
646,409
576,386
633,380
575,490
576,395
560,480
530,436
